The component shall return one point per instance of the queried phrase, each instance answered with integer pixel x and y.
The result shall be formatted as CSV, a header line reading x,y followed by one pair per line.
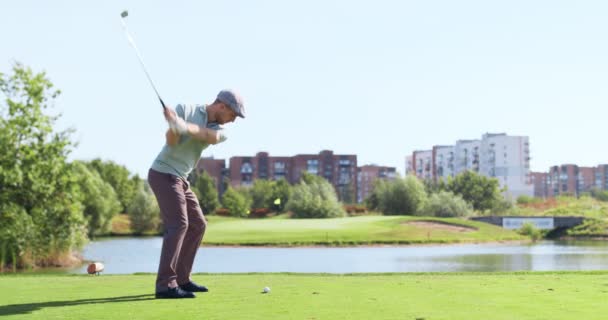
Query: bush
x,y
355,209
314,197
446,204
401,196
259,212
206,193
528,229
601,195
523,199
237,202
144,212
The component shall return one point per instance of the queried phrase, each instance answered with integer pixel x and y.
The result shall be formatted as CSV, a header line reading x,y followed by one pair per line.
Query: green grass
x,y
348,231
470,296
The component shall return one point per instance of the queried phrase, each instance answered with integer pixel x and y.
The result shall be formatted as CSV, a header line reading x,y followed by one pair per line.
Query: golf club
x,y
123,16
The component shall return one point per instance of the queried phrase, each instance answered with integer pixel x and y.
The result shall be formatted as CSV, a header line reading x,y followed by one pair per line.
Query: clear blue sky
x,y
374,78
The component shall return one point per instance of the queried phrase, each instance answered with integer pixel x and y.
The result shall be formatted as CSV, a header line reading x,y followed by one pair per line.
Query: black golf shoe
x,y
193,287
174,293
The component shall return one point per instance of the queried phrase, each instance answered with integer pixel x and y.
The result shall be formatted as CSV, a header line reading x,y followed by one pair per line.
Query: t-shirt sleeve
x,y
180,110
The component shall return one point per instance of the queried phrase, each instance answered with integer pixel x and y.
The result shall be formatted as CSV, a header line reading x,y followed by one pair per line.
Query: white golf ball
x,y
266,290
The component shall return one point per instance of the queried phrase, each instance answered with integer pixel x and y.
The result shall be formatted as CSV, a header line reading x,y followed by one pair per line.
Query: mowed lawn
x,y
351,231
470,296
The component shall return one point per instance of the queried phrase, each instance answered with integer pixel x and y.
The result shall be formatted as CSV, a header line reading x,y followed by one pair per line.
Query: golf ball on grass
x,y
266,290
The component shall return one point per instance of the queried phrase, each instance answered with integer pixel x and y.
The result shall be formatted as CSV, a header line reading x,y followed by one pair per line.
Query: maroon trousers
x,y
184,225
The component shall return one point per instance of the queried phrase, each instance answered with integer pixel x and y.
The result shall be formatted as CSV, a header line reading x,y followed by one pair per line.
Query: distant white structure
x,y
467,155
507,158
500,156
423,164
443,162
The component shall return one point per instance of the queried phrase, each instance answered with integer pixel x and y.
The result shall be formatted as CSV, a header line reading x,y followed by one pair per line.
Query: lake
x,y
129,255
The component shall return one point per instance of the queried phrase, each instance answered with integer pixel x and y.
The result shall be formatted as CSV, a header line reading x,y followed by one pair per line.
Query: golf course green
x,y
364,230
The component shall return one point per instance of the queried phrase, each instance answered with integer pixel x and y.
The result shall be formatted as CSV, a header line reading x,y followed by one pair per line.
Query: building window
x,y
312,166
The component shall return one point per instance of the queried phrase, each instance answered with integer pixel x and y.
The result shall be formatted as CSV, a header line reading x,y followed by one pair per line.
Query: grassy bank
x,y
471,296
364,230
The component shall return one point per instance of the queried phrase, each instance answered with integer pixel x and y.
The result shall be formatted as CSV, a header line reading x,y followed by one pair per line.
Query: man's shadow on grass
x,y
30,307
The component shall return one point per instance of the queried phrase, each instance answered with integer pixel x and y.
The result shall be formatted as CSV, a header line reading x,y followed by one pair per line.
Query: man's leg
x,y
169,191
197,224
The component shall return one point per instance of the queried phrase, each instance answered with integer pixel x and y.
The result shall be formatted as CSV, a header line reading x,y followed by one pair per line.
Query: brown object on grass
x,y
95,268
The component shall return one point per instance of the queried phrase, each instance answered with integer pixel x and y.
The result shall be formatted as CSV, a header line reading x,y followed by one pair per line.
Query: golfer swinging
x,y
192,128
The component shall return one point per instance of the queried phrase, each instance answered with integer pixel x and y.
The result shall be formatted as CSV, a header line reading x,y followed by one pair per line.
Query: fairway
x,y
471,296
351,231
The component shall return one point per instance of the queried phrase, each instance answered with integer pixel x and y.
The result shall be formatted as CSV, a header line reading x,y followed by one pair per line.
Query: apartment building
x,y
507,158
540,181
601,177
443,162
367,176
466,153
500,156
216,169
339,170
570,179
422,162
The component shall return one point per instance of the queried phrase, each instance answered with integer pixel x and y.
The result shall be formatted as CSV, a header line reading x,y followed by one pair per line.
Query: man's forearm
x,y
179,126
203,134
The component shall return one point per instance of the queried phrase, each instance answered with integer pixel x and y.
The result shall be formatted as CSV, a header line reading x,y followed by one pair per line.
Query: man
x,y
192,128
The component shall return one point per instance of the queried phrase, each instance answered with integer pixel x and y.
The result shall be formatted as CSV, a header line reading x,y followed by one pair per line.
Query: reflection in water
x,y
142,254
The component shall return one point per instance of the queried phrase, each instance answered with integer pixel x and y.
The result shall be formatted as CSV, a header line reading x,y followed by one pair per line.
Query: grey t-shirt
x,y
181,158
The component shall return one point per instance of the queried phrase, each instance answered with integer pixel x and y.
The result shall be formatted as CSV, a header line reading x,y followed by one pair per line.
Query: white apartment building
x,y
443,162
423,164
506,158
466,155
409,165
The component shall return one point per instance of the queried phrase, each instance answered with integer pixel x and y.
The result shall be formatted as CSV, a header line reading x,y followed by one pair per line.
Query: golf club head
x,y
124,14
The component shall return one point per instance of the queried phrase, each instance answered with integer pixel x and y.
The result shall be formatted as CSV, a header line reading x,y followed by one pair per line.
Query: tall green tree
x,y
281,193
261,193
204,188
119,177
144,212
41,219
98,198
481,192
315,197
400,196
237,201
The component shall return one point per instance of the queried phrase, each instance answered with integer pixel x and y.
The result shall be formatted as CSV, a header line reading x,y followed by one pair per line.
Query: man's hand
x,y
169,114
177,124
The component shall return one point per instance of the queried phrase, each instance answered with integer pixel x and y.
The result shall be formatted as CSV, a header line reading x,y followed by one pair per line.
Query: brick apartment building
x,y
340,170
569,179
368,174
216,169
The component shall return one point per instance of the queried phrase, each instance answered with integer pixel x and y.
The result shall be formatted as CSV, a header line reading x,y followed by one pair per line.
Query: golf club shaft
x,y
141,61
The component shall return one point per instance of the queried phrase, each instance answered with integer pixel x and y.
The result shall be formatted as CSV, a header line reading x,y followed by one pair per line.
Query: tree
x,y
314,197
446,204
401,196
144,212
118,177
281,193
481,192
42,218
261,193
204,188
237,202
98,198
